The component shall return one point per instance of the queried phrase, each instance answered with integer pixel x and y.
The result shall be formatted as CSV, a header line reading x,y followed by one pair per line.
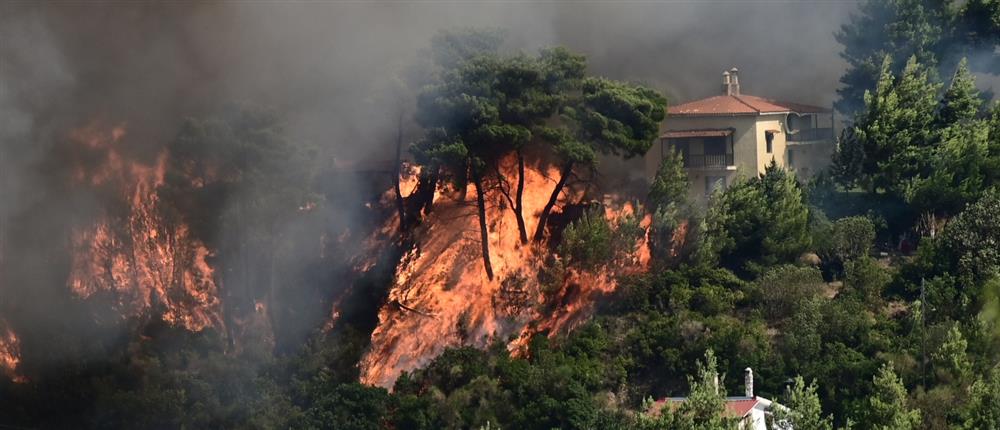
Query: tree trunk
x,y
272,282
428,192
400,207
483,233
518,203
544,218
420,201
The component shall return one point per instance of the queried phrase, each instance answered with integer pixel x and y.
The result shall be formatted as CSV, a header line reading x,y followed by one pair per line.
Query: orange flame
x,y
442,297
10,353
138,256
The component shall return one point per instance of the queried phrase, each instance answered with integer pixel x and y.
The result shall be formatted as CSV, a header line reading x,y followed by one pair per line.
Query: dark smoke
x,y
338,74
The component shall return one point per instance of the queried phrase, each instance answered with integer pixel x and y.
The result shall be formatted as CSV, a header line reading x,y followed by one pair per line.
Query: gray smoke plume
x,y
337,72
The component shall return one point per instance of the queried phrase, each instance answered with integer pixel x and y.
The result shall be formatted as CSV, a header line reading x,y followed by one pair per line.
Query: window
x,y
715,146
681,146
714,183
791,158
711,152
769,136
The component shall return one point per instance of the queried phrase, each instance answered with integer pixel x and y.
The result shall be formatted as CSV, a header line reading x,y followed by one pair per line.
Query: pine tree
x,y
887,407
847,167
961,102
893,131
894,29
958,171
671,184
984,402
760,221
952,357
993,147
801,409
598,116
786,233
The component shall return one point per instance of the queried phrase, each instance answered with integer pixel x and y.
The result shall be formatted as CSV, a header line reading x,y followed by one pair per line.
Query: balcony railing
x,y
709,161
810,134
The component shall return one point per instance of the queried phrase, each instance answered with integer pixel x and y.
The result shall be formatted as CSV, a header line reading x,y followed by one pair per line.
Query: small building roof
x,y
742,104
707,132
737,407
740,407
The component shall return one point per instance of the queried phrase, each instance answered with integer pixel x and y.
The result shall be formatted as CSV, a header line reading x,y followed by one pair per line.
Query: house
x,y
752,411
733,134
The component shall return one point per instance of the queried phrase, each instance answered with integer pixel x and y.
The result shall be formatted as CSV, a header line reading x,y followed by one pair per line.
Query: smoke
x,y
333,71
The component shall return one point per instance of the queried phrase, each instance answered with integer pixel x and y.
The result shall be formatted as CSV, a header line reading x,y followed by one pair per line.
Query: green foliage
x,y
984,402
668,198
958,170
783,289
704,406
618,118
843,241
970,240
961,101
802,408
349,407
888,408
662,231
936,33
951,356
851,238
989,314
670,185
592,241
761,221
866,280
935,154
451,48
468,388
888,139
587,242
992,167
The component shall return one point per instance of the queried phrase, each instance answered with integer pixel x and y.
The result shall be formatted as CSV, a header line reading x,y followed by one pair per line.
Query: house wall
x,y
763,124
749,150
812,158
755,420
745,155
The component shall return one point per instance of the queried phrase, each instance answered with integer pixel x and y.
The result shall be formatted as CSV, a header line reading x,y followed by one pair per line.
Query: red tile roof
x,y
737,407
740,408
739,105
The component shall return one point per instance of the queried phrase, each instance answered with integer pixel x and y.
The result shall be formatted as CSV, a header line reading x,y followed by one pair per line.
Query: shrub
x,y
784,288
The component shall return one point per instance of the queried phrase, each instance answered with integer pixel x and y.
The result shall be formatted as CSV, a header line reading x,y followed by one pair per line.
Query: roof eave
x,y
695,115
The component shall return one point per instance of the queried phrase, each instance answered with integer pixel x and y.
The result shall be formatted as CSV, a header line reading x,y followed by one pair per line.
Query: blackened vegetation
x,y
514,295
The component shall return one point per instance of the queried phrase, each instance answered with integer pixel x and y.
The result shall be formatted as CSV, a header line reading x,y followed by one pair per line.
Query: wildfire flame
x,y
442,297
138,256
10,353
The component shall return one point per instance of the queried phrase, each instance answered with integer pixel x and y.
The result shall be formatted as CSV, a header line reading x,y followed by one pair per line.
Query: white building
x,y
752,411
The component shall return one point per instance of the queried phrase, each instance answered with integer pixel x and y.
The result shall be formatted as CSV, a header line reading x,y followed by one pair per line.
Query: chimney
x,y
731,82
748,381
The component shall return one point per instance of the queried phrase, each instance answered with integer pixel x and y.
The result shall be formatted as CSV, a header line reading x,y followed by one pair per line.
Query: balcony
x,y
710,161
810,135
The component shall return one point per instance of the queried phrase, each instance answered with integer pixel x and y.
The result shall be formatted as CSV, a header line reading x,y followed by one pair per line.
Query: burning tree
x,y
133,250
489,107
238,181
597,115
